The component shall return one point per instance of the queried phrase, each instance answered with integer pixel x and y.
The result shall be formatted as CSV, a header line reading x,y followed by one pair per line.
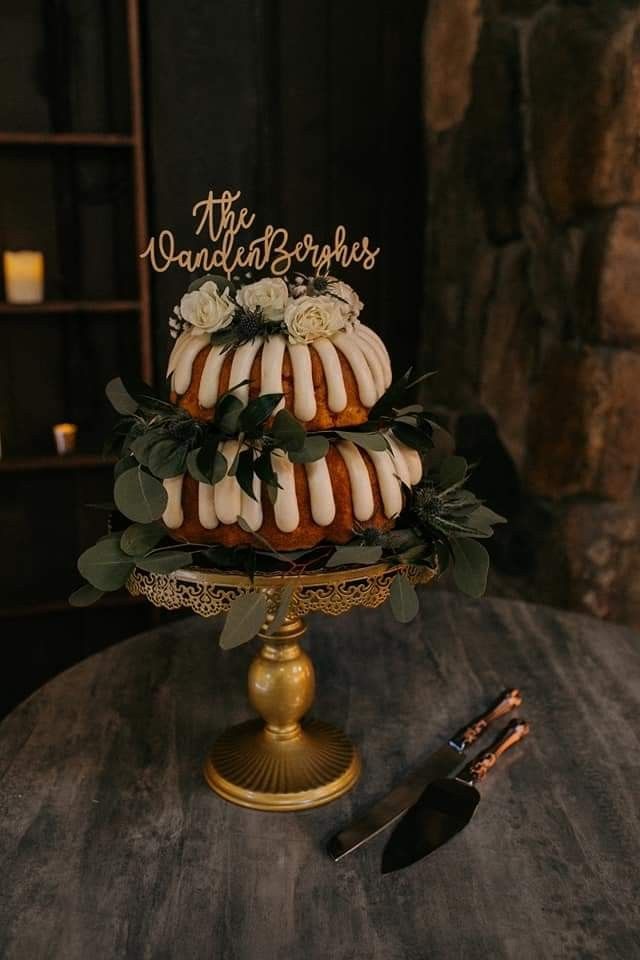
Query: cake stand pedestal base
x,y
277,763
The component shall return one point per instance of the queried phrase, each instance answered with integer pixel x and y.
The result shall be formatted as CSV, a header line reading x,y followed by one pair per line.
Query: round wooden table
x,y
112,845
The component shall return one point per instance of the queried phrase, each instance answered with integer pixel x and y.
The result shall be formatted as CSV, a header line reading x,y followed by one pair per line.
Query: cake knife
x,y
441,763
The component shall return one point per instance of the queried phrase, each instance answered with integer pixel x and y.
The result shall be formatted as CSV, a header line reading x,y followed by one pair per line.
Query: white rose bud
x,y
270,294
349,301
206,309
309,318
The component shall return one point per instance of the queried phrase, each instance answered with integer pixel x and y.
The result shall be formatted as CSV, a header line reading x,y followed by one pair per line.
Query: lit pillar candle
x,y
65,436
24,276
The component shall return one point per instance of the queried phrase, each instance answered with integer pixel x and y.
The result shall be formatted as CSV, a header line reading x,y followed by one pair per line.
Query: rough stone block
x,y
584,425
451,35
609,278
584,75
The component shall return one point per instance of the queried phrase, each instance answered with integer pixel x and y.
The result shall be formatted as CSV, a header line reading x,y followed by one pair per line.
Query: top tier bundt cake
x,y
303,340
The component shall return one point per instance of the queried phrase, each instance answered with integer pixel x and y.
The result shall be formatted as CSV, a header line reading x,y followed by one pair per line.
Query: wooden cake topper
x,y
221,223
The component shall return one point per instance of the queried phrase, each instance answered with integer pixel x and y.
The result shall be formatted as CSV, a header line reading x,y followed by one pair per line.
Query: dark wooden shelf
x,y
71,461
63,606
17,139
70,306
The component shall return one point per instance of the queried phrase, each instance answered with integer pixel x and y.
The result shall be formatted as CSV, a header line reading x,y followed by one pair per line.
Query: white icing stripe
x,y
251,510
241,368
373,359
359,480
304,398
390,488
323,505
173,516
373,337
184,366
210,379
334,378
352,350
228,495
271,367
207,506
285,509
400,463
178,347
412,460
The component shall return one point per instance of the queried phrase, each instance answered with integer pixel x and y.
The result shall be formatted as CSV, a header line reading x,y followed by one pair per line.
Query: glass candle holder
x,y
23,276
65,435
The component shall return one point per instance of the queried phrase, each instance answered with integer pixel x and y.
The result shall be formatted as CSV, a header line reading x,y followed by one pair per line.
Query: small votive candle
x,y
65,435
24,276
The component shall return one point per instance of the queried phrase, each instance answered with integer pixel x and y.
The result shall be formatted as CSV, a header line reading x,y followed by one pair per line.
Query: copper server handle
x,y
508,700
479,767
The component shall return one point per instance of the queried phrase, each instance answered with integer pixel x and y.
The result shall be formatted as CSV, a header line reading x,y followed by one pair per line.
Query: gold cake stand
x,y
277,762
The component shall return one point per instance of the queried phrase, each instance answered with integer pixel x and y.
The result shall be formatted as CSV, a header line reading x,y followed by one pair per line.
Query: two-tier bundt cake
x,y
303,341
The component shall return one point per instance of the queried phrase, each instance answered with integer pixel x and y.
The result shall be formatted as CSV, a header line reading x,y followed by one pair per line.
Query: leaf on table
x,y
404,599
246,616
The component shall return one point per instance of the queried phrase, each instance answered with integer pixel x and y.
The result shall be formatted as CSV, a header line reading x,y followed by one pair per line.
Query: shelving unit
x,y
92,326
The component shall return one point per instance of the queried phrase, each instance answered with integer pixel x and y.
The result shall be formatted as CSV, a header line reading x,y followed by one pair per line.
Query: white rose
x,y
309,318
349,301
270,294
206,309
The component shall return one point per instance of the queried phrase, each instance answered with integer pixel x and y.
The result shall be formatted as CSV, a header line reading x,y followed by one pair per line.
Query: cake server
x,y
446,806
440,764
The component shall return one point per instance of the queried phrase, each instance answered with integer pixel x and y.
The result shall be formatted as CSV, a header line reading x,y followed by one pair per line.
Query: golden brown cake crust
x,y
325,419
308,533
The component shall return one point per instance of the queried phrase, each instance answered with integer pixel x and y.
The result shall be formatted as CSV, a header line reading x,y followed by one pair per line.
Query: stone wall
x,y
532,117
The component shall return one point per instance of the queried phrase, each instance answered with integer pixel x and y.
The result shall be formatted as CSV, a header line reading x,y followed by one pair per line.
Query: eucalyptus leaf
x,y
258,410
404,599
412,436
265,471
139,538
470,566
105,565
126,463
228,411
392,397
246,616
84,596
139,496
167,459
120,398
452,470
368,441
287,431
245,473
315,448
484,517
193,468
283,608
165,561
354,554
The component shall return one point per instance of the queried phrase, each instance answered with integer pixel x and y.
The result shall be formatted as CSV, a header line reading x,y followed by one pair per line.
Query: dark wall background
x,y
312,109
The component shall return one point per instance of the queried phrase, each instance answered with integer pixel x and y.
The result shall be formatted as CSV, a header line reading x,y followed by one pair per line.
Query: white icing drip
x,y
336,392
241,367
228,495
251,510
390,487
373,337
323,505
400,463
352,350
178,347
359,480
271,367
304,398
373,359
210,379
285,509
207,506
184,366
173,516
411,459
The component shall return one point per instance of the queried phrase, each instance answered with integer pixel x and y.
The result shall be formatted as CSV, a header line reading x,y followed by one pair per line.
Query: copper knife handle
x,y
508,700
479,767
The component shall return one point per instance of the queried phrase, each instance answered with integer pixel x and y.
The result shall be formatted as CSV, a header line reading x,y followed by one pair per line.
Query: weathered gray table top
x,y
112,846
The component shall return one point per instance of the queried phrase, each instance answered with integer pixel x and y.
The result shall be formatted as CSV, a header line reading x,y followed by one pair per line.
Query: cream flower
x,y
309,318
349,301
206,309
270,294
